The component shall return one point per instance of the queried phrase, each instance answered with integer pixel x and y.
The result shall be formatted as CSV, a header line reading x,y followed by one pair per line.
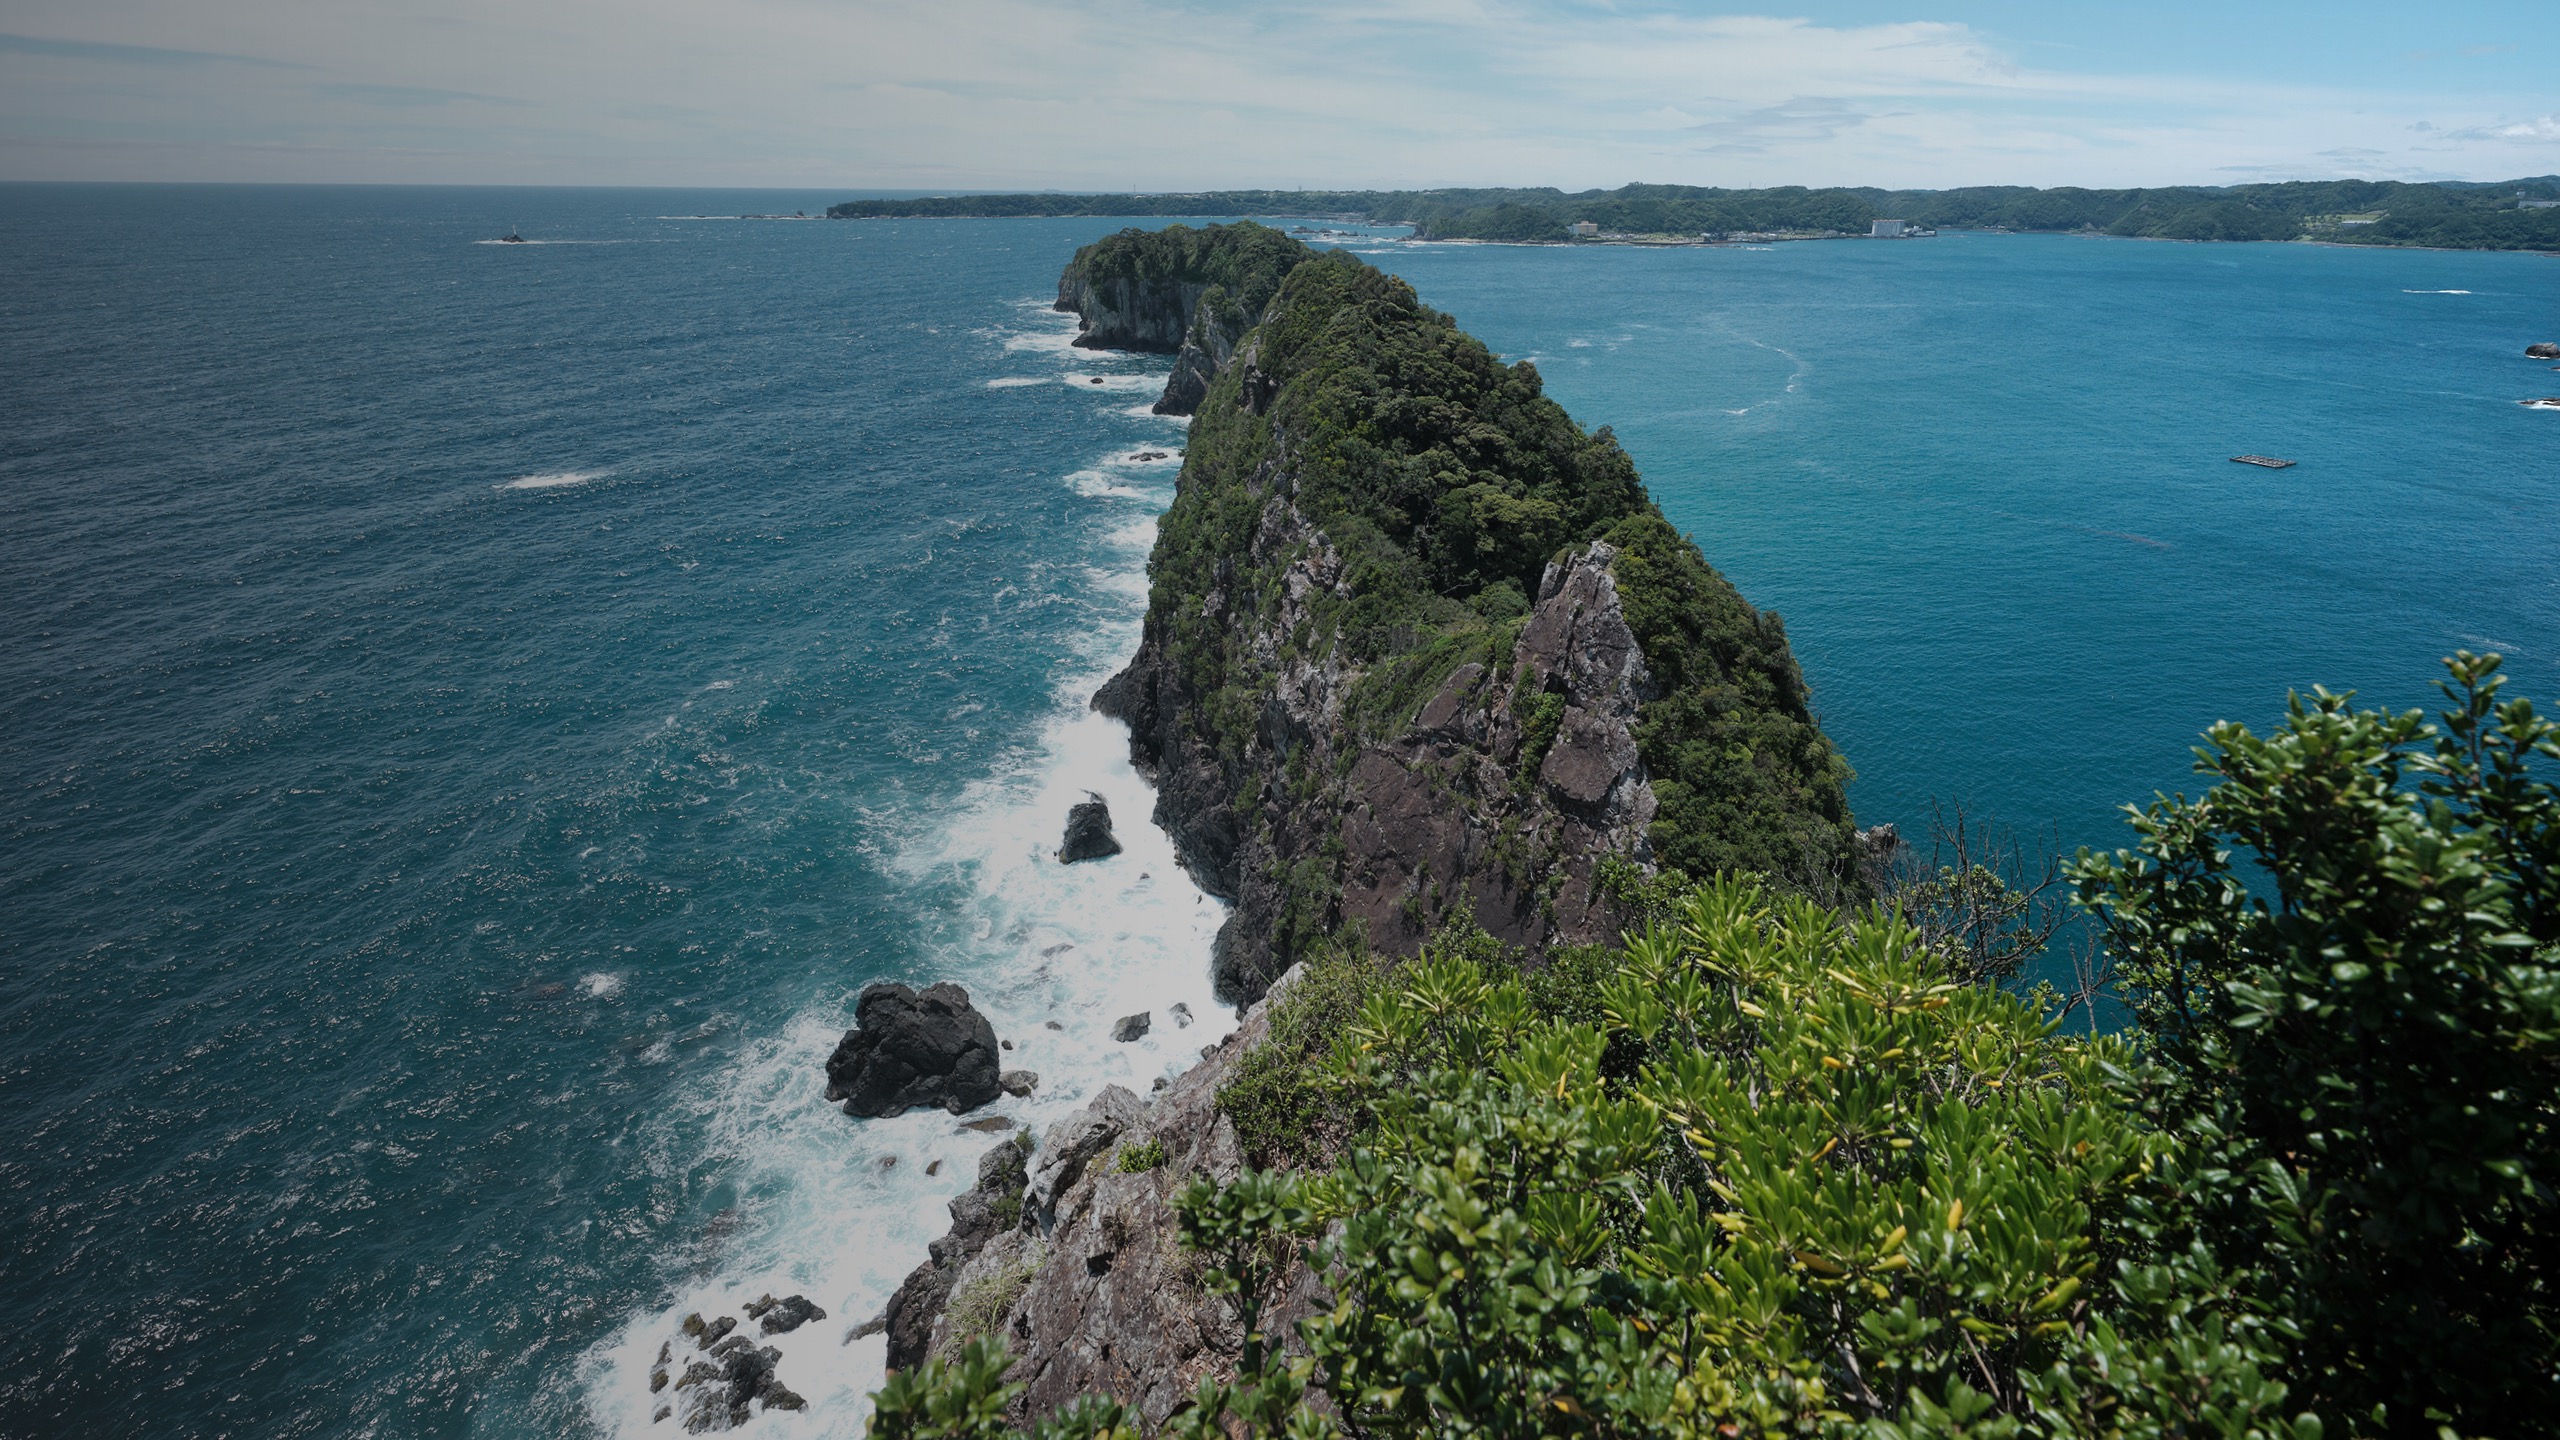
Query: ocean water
x,y
473,716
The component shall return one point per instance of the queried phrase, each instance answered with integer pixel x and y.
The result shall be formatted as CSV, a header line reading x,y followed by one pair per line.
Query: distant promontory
x,y
2506,215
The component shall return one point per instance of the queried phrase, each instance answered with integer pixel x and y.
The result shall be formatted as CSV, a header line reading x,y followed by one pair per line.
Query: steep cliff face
x,y
1515,775
1195,292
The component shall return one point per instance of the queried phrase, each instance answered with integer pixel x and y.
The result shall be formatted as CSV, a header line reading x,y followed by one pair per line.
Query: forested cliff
x,y
1416,642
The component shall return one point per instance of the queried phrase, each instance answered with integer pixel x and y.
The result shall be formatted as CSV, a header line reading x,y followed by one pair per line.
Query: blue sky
x,y
1185,94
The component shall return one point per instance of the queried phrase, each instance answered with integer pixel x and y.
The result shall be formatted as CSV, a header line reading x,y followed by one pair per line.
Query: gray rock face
x,y
1114,1307
1130,314
910,1048
1425,817
1208,348
1076,1140
991,1207
1089,834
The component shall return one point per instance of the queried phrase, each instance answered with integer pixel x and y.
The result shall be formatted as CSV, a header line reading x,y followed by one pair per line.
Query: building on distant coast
x,y
1887,229
1585,230
2525,203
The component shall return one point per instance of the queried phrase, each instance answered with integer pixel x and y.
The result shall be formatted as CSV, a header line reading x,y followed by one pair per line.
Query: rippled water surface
x,y
471,716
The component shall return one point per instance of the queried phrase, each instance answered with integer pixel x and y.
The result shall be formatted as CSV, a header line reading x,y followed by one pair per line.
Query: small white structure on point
x,y
1584,230
1887,229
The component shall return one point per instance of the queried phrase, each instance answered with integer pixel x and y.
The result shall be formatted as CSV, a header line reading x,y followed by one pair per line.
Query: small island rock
x,y
911,1048
2545,350
1088,832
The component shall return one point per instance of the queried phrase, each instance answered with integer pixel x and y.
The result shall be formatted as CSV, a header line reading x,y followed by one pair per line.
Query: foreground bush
x,y
2342,956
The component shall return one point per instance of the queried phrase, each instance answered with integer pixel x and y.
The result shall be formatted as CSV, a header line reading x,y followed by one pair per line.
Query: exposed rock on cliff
x,y
1195,292
990,1209
1117,1307
909,1049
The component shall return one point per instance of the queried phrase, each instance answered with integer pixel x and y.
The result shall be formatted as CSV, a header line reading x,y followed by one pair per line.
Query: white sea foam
x,y
1114,382
552,479
839,1209
1009,382
2435,292
1095,485
600,986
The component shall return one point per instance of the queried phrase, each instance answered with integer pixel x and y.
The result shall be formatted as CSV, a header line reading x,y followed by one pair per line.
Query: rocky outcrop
x,y
911,1048
1504,792
1129,312
987,1210
1115,1306
1218,326
1089,834
713,1376
2545,350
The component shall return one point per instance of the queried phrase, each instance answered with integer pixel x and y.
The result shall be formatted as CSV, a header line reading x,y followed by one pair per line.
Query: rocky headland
x,y
1419,649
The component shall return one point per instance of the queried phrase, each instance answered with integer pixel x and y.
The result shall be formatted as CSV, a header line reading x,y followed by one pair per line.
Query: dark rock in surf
x,y
911,1048
1019,1083
781,1317
2545,350
1132,1027
1089,834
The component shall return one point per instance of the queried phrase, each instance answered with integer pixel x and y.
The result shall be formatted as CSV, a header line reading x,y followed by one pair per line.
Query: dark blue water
x,y
471,715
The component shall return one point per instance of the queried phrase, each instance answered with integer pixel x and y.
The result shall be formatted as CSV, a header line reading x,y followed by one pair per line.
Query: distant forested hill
x,y
2366,212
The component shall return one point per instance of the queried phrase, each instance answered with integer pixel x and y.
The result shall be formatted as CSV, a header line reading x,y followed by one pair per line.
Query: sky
x,y
1172,95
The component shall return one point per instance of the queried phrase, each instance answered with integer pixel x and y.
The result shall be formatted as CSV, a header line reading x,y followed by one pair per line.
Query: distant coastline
x,y
2507,215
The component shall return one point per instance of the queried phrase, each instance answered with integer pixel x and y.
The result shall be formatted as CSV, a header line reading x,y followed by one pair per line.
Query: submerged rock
x,y
1089,834
1019,1083
910,1048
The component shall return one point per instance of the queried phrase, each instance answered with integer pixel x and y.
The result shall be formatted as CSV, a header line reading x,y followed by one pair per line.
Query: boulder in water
x,y
2545,350
1132,1027
1088,832
911,1048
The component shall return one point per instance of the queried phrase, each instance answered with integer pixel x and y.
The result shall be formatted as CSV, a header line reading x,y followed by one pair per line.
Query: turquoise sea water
x,y
472,716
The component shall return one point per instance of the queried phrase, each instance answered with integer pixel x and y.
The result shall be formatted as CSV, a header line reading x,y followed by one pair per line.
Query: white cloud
x,y
1153,94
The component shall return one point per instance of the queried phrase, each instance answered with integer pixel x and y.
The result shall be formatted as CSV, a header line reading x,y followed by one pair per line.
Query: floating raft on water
x,y
2269,461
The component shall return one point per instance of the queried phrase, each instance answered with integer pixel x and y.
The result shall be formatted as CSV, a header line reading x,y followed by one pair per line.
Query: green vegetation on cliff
x,y
2358,212
1446,481
1773,1170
